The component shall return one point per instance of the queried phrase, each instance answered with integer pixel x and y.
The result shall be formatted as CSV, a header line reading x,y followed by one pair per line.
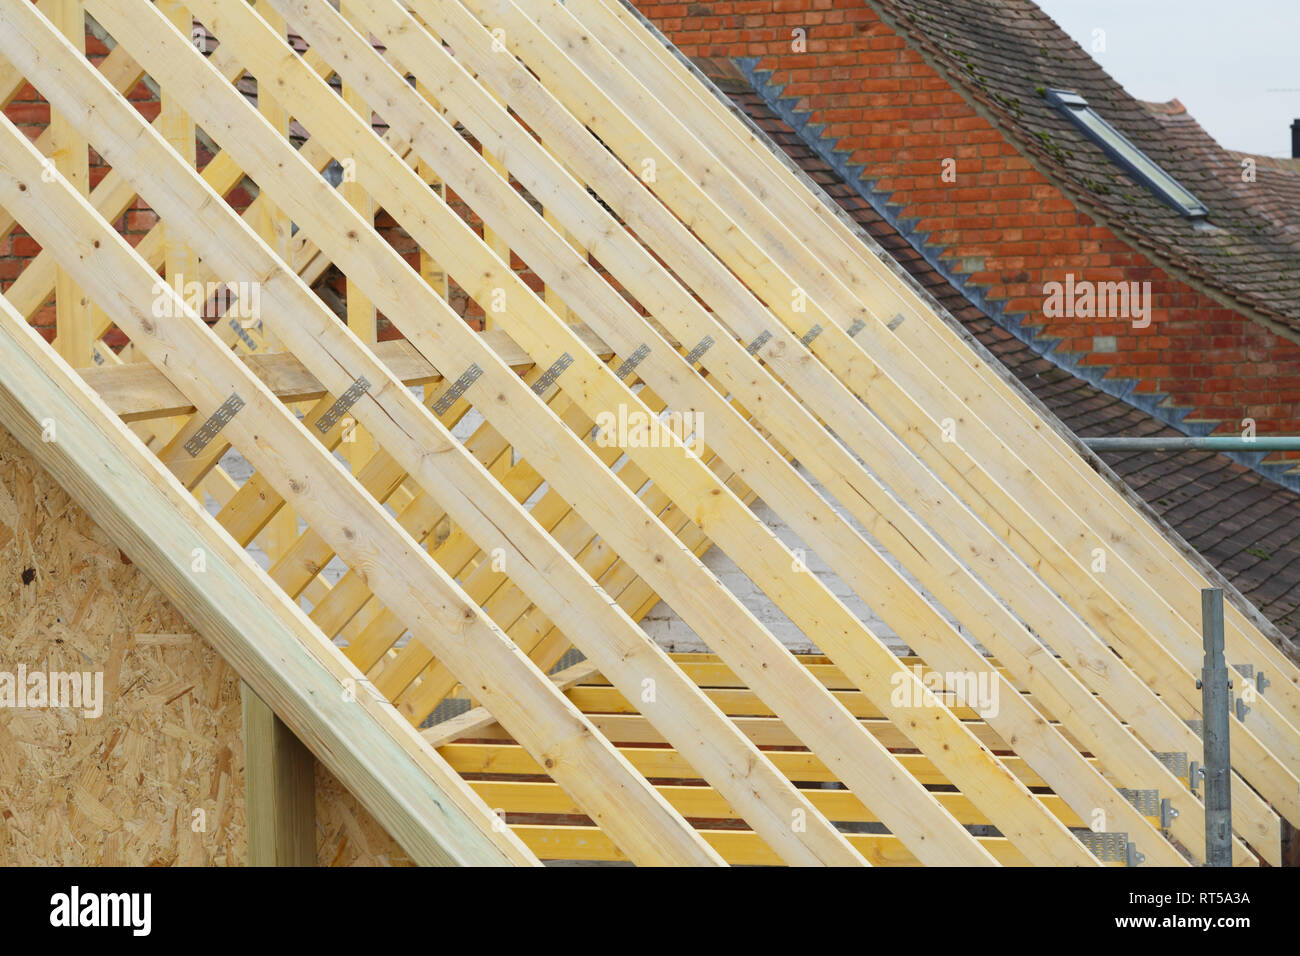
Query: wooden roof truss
x,y
488,525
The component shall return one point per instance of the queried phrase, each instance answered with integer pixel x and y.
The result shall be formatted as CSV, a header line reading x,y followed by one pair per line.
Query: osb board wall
x,y
157,778
346,833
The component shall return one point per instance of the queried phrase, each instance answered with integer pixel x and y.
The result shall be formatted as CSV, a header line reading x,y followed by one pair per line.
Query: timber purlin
x,y
450,516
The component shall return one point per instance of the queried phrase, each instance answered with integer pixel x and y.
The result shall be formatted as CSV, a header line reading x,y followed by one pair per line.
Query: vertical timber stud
x,y
273,226
500,246
363,319
179,262
280,789
178,129
70,157
429,268
1215,702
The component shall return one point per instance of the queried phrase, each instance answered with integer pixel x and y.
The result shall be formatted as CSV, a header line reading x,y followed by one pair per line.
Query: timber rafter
x,y
487,520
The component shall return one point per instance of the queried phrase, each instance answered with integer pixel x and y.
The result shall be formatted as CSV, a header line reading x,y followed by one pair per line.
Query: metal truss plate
x,y
551,374
697,353
759,341
458,388
1176,761
341,406
1107,847
212,427
238,327
639,355
1146,801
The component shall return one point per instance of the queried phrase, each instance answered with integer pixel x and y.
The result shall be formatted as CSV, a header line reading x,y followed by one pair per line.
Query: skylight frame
x,y
1122,151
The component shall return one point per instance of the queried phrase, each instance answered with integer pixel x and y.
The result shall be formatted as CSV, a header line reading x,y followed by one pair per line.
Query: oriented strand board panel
x,y
346,834
153,779
157,778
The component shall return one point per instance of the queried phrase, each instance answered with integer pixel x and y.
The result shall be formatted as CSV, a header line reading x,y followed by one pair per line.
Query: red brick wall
x,y
1000,222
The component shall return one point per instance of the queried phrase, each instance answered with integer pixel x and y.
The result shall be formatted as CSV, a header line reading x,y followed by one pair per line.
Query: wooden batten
x,y
337,586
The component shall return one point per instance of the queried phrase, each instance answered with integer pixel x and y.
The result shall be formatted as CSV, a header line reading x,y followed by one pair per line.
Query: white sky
x,y
1228,63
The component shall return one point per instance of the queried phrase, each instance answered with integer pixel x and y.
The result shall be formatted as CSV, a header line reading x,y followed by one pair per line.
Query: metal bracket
x,y
810,335
1242,709
458,388
1146,801
1174,760
896,321
639,355
1195,774
551,374
759,341
1168,812
99,359
344,402
1197,726
1246,670
243,334
1261,681
217,421
697,353
857,326
1110,847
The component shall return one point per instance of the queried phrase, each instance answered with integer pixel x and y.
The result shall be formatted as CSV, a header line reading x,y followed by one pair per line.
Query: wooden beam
x,y
664,763
362,318
736,846
807,601
122,71
478,718
139,392
180,263
278,446
1054,487
391,412
819,526
70,157
410,790
274,228
696,802
660,68
447,234
610,110
279,787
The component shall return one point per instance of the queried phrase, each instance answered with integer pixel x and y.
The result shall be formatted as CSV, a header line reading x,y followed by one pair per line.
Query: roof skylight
x,y
1118,147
